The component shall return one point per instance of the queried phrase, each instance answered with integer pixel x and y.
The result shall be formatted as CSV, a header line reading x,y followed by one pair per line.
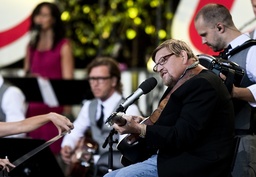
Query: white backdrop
x,y
14,23
15,17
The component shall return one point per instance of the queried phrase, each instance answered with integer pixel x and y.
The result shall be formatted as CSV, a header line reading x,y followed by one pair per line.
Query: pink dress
x,y
46,64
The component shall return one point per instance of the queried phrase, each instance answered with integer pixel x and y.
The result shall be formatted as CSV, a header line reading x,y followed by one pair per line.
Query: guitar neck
x,y
36,150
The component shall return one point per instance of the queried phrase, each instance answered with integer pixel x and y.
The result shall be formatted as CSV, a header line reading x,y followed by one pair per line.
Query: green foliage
x,y
125,29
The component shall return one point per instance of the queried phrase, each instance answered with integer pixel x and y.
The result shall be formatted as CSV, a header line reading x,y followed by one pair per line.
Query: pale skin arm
x,y
67,61
26,65
240,93
62,123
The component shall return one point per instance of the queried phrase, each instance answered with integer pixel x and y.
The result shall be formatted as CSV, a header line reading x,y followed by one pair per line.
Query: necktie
x,y
224,53
101,119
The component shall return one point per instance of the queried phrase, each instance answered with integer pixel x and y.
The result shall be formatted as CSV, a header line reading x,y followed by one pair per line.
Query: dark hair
x,y
113,68
58,25
214,13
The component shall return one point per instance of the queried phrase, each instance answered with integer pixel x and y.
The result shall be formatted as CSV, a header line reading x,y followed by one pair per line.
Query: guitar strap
x,y
189,74
155,115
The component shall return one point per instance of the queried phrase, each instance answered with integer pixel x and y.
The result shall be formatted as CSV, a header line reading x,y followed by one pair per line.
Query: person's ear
x,y
114,81
220,27
184,56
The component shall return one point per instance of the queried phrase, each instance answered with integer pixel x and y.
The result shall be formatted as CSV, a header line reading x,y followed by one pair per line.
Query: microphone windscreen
x,y
37,27
148,85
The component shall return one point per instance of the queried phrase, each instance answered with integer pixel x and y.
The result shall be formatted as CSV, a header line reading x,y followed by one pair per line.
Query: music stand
x,y
68,92
40,165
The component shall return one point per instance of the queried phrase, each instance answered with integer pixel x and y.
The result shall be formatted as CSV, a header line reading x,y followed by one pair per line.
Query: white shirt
x,y
250,63
13,105
82,122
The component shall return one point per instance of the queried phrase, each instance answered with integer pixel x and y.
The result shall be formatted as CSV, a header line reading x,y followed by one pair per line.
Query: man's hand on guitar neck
x,y
132,125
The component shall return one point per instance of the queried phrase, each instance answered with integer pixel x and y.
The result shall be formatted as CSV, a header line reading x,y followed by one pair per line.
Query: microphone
x,y
34,33
144,88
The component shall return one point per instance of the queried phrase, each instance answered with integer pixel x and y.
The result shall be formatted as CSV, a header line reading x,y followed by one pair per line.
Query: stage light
x,y
130,34
65,16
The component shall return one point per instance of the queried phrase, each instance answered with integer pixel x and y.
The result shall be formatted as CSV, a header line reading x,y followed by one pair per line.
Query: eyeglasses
x,y
99,80
162,61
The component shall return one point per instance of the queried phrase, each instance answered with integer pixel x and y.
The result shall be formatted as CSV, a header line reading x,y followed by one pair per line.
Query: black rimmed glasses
x,y
162,61
99,80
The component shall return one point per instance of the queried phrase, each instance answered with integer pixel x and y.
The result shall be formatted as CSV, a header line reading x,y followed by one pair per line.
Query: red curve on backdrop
x,y
12,34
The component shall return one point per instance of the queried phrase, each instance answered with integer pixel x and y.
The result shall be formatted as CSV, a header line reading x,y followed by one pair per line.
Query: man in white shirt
x,y
215,26
104,77
13,106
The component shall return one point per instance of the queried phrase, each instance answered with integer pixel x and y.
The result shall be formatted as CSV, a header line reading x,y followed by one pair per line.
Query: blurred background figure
x,y
104,78
49,55
12,104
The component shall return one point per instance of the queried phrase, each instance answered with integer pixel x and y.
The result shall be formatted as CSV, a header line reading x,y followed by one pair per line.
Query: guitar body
x,y
82,158
78,170
133,148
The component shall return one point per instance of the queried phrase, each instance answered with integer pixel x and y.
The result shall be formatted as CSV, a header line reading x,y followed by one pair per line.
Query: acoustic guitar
x,y
132,146
82,158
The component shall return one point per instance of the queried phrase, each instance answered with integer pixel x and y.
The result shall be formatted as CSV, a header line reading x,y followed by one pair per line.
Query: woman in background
x,y
48,55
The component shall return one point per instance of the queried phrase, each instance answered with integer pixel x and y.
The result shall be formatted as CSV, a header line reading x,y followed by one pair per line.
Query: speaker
x,y
41,164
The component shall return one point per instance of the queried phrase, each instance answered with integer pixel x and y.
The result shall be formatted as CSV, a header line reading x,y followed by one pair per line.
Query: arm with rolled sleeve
x,y
251,72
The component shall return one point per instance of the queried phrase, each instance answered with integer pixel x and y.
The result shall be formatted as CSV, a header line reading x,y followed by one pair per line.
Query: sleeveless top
x,y
47,63
243,110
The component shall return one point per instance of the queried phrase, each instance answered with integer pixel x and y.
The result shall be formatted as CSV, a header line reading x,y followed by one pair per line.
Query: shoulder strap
x,y
239,48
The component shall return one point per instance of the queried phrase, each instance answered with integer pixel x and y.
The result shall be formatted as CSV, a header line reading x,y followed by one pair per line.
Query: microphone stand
x,y
109,140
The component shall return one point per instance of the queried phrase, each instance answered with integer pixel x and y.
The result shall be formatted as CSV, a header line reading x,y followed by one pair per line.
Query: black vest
x,y
245,117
